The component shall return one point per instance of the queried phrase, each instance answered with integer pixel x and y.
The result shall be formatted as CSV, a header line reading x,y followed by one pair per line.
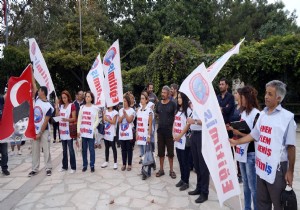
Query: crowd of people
x,y
272,132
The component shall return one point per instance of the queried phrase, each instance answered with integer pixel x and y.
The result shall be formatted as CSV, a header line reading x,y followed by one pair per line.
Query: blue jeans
x,y
249,180
87,142
65,145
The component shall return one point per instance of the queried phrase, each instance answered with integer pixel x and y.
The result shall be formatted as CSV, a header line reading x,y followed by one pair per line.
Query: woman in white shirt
x,y
86,125
110,121
67,111
126,117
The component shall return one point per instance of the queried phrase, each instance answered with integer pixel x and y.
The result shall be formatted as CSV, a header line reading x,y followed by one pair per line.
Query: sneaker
x,y
19,152
84,169
61,170
48,172
72,171
104,165
32,173
92,169
115,166
5,172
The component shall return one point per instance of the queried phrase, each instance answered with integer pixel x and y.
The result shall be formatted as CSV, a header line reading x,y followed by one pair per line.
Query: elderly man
x,y
275,134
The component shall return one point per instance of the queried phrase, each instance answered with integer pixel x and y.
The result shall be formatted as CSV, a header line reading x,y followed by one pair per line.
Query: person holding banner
x,y
245,153
275,136
67,111
86,125
3,146
110,121
42,113
126,117
144,125
183,150
199,162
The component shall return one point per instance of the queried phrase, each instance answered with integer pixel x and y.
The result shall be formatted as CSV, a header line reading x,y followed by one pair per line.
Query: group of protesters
x,y
177,122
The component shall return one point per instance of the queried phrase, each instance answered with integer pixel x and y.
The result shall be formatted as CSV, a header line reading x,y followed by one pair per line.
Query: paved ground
x,y
104,189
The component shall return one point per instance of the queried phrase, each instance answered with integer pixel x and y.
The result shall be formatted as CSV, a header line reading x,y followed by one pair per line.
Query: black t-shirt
x,y
166,114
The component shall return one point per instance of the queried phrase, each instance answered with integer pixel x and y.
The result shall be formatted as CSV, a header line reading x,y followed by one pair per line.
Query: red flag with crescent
x,y
17,122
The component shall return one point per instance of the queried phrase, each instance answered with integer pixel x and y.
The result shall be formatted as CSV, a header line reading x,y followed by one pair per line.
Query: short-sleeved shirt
x,y
166,113
289,137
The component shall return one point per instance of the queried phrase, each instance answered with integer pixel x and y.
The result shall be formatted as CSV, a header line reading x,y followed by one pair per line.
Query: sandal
x,y
129,168
160,173
123,168
172,175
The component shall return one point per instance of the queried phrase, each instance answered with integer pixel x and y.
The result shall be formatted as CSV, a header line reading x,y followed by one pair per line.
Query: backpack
x,y
288,199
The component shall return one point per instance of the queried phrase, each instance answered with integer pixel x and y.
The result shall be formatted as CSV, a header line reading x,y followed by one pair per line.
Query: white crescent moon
x,y
14,91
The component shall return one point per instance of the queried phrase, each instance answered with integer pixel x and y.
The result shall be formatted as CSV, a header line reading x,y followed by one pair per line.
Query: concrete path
x,y
104,189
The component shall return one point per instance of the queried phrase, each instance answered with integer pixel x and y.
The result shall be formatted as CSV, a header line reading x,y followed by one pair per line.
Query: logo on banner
x,y
199,88
33,48
110,55
124,126
95,64
107,124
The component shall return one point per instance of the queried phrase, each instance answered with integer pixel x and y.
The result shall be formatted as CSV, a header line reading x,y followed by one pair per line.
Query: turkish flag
x,y
17,123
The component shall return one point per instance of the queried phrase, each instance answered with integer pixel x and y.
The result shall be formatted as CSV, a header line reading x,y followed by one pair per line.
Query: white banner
x,y
95,79
216,148
113,78
41,72
214,69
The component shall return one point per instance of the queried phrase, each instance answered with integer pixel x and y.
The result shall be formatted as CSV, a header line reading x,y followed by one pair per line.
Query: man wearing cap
x,y
42,113
21,119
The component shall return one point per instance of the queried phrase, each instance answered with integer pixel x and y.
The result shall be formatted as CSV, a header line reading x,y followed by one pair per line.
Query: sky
x,y
291,5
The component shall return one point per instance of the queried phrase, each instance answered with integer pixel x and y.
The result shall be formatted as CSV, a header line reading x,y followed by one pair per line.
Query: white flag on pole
x,y
41,72
214,69
95,79
215,145
113,77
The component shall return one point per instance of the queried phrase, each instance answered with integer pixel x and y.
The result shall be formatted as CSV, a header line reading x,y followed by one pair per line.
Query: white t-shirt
x,y
110,129
125,128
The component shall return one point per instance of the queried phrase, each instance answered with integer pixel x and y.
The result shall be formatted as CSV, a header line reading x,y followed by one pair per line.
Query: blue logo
x,y
38,114
124,126
109,57
199,88
95,64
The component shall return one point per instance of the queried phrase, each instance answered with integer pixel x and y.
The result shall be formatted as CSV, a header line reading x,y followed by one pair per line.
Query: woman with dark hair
x,y
180,128
245,153
126,117
87,124
67,111
110,120
144,126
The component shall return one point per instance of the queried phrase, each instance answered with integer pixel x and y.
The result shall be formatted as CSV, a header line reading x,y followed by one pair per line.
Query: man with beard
x,y
174,92
165,111
152,96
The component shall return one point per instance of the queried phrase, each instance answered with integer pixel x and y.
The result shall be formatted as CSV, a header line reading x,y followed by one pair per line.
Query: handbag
x,y
288,199
100,128
148,156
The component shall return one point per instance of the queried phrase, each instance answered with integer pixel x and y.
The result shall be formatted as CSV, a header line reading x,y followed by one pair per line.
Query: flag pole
x,y
6,21
80,29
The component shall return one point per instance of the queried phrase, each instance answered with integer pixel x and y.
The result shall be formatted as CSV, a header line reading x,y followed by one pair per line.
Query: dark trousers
x,y
268,194
88,143
126,147
199,163
4,156
55,130
183,159
111,144
65,145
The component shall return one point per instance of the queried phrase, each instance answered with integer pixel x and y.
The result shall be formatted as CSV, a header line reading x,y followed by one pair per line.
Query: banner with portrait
x,y
17,123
